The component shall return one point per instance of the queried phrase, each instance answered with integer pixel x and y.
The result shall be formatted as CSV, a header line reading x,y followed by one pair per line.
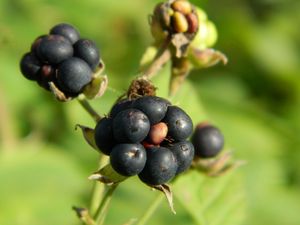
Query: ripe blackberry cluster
x,y
146,137
63,58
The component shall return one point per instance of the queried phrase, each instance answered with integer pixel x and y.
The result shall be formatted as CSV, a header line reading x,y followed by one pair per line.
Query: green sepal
x,y
96,87
167,191
59,95
107,175
205,58
89,135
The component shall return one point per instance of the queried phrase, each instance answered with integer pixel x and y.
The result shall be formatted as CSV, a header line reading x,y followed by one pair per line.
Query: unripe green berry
x,y
212,36
202,16
206,36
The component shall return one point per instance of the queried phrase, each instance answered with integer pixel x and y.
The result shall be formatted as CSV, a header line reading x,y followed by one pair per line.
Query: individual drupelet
x,y
88,51
184,154
130,126
128,159
72,75
30,66
104,136
154,107
179,123
67,31
161,166
207,140
54,49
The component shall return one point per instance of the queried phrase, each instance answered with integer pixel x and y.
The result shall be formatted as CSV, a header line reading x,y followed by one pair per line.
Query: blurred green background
x,y
255,100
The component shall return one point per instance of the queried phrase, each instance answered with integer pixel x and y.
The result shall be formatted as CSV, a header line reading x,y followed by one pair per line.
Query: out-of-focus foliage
x,y
255,100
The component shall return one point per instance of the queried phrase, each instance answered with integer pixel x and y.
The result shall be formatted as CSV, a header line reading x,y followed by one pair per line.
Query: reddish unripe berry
x,y
157,133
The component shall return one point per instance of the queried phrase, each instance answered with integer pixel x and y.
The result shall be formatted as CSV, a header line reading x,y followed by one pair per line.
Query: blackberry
x,y
67,31
120,106
72,75
179,123
88,51
207,140
154,107
128,159
104,136
30,66
54,49
161,166
184,153
130,126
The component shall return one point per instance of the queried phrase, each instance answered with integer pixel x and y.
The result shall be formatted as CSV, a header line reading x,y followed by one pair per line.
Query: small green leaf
x,y
107,175
166,190
206,58
96,87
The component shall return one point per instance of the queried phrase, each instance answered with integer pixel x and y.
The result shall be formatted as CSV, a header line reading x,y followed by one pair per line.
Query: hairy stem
x,y
149,212
103,207
86,105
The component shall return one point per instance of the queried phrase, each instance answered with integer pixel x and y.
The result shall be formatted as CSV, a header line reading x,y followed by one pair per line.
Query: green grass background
x,y
255,100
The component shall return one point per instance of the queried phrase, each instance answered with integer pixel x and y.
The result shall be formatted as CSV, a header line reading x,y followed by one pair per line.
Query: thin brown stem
x,y
161,58
179,71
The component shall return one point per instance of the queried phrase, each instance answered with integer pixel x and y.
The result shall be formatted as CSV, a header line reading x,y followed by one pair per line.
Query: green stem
x,y
86,105
154,205
98,188
103,207
97,193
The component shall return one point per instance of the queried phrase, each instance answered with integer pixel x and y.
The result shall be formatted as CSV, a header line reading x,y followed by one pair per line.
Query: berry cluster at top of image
x,y
146,137
173,17
63,58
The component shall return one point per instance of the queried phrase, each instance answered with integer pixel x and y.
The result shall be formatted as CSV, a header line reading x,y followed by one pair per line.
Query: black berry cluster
x,y
146,137
207,140
63,58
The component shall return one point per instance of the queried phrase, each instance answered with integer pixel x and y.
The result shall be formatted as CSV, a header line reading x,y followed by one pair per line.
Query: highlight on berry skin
x,y
63,59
